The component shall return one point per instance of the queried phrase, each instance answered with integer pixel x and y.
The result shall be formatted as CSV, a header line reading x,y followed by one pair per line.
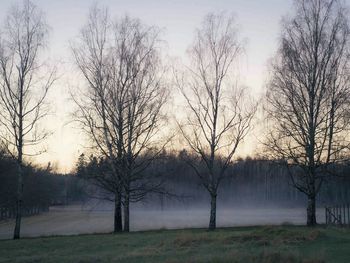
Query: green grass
x,y
287,244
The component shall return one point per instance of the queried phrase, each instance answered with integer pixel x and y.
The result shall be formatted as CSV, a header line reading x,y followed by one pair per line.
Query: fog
x,y
256,194
85,219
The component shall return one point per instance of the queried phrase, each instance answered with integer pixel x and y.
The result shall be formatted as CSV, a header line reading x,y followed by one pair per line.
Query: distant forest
x,y
43,188
248,182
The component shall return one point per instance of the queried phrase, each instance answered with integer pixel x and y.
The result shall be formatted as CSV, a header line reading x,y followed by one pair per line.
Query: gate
x,y
338,215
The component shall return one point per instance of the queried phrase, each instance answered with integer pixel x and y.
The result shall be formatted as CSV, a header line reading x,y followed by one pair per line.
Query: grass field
x,y
287,244
73,220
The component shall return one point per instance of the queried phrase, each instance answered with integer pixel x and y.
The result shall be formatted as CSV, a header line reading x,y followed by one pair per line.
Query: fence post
x,y
336,213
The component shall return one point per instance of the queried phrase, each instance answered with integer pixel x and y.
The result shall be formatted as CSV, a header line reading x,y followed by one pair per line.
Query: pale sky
x,y
259,24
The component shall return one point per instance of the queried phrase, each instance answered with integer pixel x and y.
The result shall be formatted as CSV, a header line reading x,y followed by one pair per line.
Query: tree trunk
x,y
19,201
212,222
118,225
311,211
127,213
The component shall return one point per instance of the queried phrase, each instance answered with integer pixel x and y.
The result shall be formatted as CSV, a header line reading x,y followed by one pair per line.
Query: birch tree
x,y
139,94
24,84
219,116
121,110
91,53
308,95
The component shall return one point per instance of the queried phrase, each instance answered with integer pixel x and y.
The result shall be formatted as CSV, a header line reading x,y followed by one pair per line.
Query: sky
x,y
258,22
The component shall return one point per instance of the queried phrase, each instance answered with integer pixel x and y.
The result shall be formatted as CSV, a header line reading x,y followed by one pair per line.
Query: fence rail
x,y
9,213
338,215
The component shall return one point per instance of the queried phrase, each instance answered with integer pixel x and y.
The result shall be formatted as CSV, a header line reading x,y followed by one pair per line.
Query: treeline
x,y
247,182
43,188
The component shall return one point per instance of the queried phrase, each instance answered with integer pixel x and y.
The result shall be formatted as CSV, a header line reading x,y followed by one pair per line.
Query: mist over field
x,y
255,194
84,219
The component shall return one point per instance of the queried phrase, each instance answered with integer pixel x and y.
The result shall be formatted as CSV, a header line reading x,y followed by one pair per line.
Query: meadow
x,y
267,244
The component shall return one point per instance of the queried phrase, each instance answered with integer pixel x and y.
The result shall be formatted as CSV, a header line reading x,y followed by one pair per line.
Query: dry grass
x,y
284,244
273,236
186,239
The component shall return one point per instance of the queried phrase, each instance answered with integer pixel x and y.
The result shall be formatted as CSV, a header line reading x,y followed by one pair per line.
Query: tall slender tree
x,y
219,116
139,95
91,53
121,109
24,84
308,95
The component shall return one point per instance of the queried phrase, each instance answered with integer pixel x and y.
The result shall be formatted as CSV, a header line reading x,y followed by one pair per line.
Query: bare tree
x,y
308,96
23,87
138,94
121,110
92,57
219,118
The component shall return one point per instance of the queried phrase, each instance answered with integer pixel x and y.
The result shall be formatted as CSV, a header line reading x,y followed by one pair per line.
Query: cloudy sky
x,y
259,25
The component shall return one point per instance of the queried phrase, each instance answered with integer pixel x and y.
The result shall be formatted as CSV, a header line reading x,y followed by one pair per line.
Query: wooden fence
x,y
9,213
338,215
